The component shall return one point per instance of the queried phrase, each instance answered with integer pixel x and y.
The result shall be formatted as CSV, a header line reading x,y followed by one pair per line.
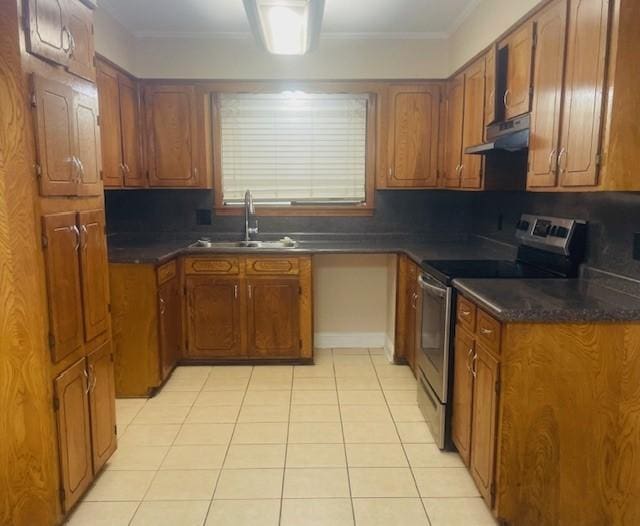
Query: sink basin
x,y
282,244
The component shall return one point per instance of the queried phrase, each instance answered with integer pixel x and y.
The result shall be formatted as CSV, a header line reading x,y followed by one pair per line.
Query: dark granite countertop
x,y
552,300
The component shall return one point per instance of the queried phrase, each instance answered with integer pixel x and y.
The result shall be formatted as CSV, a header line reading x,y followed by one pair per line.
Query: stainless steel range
x,y
549,248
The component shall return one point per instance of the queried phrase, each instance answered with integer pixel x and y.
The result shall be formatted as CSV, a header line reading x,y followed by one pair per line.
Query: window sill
x,y
299,211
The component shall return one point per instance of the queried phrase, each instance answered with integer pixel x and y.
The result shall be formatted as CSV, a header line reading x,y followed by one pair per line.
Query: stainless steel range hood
x,y
510,136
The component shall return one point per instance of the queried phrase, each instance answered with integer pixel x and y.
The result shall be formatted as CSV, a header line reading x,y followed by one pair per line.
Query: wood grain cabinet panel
x,y
406,315
273,317
273,265
170,316
455,121
110,130
102,403
61,245
212,265
464,350
134,175
47,36
74,432
80,27
87,145
413,136
551,25
473,127
490,106
517,97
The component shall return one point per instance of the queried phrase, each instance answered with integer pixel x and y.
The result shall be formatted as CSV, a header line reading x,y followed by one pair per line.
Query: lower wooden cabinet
x,y
170,314
464,351
85,413
407,296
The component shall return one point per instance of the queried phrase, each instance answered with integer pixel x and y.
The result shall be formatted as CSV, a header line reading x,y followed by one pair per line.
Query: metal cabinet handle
x,y
485,331
86,379
126,167
505,99
465,313
123,168
235,291
75,230
552,155
93,379
84,237
461,170
250,292
390,172
469,359
474,361
73,43
66,32
81,166
163,306
561,155
414,300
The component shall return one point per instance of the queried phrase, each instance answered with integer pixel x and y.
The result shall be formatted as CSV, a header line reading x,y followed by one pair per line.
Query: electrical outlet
x,y
203,216
636,246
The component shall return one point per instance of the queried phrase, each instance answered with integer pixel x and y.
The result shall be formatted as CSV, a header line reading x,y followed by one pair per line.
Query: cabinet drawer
x,y
212,265
489,331
166,272
270,265
466,314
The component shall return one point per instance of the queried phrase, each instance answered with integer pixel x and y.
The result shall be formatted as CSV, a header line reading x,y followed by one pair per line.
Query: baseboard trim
x,y
345,340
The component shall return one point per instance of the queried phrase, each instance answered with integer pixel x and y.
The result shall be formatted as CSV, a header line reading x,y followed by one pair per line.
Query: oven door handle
x,y
441,292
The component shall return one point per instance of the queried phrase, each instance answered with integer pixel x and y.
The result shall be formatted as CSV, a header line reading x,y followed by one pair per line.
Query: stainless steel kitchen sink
x,y
280,244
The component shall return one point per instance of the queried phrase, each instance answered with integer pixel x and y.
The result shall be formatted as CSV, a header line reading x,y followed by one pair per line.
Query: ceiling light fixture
x,y
286,27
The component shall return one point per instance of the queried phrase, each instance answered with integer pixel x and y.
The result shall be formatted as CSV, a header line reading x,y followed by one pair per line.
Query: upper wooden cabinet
x,y
491,91
61,31
413,130
454,129
175,135
473,124
518,47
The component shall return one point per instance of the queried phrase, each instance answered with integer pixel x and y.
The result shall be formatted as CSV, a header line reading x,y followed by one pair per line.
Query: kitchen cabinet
x,y
175,135
471,166
518,47
406,311
491,91
61,31
120,128
454,130
170,315
68,140
464,350
413,132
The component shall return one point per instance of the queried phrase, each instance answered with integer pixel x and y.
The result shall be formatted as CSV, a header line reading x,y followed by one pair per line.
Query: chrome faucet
x,y
249,210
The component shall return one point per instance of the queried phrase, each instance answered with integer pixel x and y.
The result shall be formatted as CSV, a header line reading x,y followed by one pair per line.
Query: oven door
x,y
433,333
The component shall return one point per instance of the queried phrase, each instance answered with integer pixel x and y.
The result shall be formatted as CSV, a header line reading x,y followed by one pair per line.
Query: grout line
x,y
286,448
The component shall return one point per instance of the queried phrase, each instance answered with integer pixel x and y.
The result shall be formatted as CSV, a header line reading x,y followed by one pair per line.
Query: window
x,y
294,149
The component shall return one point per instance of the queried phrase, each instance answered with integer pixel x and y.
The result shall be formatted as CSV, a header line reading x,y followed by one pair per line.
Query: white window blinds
x,y
293,148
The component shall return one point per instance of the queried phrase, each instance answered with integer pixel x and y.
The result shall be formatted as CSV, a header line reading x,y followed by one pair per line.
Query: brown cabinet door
x,y
95,271
102,403
517,97
273,314
490,86
170,325
55,135
214,317
62,242
484,417
48,35
173,136
87,144
462,393
413,136
455,120
412,299
80,26
584,90
130,125
74,432
473,128
546,107
110,129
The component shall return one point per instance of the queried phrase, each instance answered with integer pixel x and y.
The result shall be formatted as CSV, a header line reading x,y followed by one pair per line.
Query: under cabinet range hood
x,y
510,136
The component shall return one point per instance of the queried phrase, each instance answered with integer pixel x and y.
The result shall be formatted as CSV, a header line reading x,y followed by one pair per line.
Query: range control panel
x,y
554,234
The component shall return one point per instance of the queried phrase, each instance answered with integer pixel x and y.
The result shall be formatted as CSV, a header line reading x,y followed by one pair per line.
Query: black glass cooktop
x,y
446,270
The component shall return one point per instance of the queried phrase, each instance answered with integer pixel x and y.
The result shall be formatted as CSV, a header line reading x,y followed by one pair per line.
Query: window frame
x,y
350,88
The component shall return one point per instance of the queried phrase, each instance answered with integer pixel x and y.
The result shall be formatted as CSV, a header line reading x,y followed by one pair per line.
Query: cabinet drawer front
x,y
466,314
222,265
166,272
268,265
489,331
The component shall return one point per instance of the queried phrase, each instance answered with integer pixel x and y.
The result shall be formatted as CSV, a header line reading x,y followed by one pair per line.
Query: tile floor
x,y
338,443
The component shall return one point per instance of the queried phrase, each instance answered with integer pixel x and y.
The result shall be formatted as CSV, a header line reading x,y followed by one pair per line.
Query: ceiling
x,y
343,18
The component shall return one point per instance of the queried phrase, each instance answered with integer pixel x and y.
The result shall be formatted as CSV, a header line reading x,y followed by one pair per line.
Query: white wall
x,y
114,42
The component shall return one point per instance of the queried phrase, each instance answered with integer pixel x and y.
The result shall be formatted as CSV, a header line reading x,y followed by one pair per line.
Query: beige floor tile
x,y
445,482
401,397
376,456
253,456
350,351
399,384
218,414
264,413
267,398
393,371
270,385
194,457
315,483
458,512
183,485
150,435
385,512
184,384
120,485
342,361
358,371
204,434
130,403
429,456
320,370
315,413
369,433
315,456
314,397
382,482
102,514
249,484
414,432
316,512
314,384
354,383
266,433
217,383
161,414
365,413
368,397
380,359
132,458
171,513
315,433
378,351
216,398
192,371
165,398
231,371
275,372
244,513
125,413
406,413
